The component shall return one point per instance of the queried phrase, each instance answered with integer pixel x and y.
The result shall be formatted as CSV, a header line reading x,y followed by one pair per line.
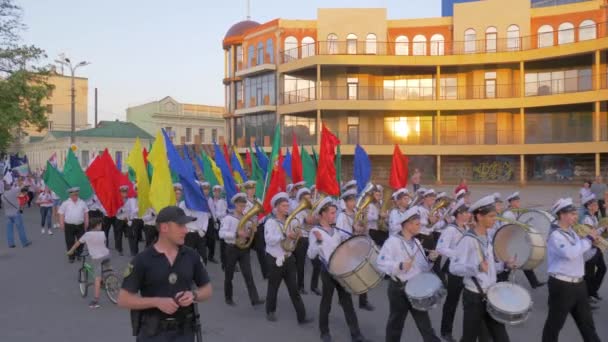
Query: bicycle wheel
x,y
112,287
83,281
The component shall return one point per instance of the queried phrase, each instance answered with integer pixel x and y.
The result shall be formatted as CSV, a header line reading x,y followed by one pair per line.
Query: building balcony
x,y
256,70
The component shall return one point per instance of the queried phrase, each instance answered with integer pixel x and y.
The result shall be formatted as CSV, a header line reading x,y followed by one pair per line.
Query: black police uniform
x,y
151,275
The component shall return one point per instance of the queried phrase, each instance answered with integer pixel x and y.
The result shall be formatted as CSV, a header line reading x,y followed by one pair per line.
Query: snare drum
x,y
508,303
353,265
523,242
539,219
425,291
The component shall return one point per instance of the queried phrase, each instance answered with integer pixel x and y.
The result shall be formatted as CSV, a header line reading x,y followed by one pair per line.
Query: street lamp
x,y
68,63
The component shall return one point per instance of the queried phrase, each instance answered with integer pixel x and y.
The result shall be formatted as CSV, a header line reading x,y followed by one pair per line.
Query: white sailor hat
x,y
289,187
218,187
488,201
349,193
249,184
203,184
326,201
460,193
442,195
408,215
278,197
421,191
460,206
239,197
299,184
513,196
497,197
302,192
588,199
177,186
313,187
429,192
123,188
73,189
349,184
563,205
400,193
379,187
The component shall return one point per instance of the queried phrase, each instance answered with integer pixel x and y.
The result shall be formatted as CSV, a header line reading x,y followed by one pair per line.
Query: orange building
x,y
495,93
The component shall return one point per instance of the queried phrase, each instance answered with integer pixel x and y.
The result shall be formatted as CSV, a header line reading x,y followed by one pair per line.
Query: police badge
x,y
172,278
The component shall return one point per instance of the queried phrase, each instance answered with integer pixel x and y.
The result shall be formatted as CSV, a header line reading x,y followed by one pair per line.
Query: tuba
x,y
441,204
387,205
288,244
245,220
364,200
583,230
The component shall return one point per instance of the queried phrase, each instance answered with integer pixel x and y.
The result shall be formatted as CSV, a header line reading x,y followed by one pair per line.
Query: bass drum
x,y
540,220
522,242
353,265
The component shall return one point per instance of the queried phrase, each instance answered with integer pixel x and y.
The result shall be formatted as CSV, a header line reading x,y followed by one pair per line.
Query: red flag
x,y
277,183
327,182
105,180
296,162
145,152
399,170
227,156
248,160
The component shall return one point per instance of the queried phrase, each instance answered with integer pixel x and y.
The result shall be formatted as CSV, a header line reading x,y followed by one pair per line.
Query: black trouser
x,y
198,243
316,272
455,287
568,298
346,302
378,236
242,256
223,245
168,336
72,233
595,270
300,255
151,234
477,323
287,273
210,237
259,245
30,195
106,223
120,227
399,308
530,275
133,232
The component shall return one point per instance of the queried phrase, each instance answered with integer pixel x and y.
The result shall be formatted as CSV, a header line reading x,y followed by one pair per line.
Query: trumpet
x,y
288,244
584,230
244,243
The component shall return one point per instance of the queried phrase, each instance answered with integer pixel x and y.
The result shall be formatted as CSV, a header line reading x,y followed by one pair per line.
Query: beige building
x,y
185,123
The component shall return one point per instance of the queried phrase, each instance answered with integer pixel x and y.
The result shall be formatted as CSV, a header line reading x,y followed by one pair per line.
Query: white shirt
x,y
45,200
202,220
426,228
341,205
592,221
448,240
397,250
565,251
394,226
73,212
96,243
509,215
345,222
301,216
466,262
293,204
228,228
273,235
149,217
129,210
332,238
220,208
94,204
373,215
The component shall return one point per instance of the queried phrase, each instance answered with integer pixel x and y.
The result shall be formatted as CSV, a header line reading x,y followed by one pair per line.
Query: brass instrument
x,y
604,225
583,230
360,220
288,244
246,219
415,201
387,205
444,202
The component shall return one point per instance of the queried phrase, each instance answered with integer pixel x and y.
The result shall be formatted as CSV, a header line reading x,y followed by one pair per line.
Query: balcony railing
x,y
443,47
426,137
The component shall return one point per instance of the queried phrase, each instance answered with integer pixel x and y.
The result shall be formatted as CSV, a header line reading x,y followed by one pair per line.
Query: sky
x,y
144,50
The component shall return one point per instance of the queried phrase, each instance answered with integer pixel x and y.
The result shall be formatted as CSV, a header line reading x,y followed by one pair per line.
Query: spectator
x,y
598,188
45,201
416,179
14,218
585,190
462,185
23,198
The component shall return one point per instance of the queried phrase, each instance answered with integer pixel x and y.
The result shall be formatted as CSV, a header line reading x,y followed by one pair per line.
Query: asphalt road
x,y
41,301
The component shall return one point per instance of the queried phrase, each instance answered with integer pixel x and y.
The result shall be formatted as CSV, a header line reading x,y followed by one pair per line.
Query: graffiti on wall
x,y
493,171
560,168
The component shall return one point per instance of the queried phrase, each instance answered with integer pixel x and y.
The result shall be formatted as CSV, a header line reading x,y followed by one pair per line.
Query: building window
x,y
49,109
470,41
558,82
370,44
260,58
491,37
214,134
84,159
50,125
352,84
353,130
437,45
201,134
565,34
291,48
419,45
188,134
587,30
258,127
513,43
449,88
351,44
239,57
308,47
270,51
402,46
332,44
118,158
545,36
250,55
260,91
490,85
239,94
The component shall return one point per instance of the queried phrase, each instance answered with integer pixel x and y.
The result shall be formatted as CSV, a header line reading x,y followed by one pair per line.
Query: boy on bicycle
x,y
95,240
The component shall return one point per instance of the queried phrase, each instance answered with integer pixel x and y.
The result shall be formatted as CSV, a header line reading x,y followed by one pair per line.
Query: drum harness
x,y
482,255
413,258
325,263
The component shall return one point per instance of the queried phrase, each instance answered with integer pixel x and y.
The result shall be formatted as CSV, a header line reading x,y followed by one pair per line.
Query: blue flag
x,y
229,183
188,162
287,163
363,168
236,166
262,160
193,195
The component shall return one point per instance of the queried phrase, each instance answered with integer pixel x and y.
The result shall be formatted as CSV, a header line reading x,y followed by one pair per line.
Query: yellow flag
x,y
161,190
136,162
238,156
216,171
237,177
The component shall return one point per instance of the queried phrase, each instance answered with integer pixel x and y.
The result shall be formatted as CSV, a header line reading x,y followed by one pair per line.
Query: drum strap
x,y
483,294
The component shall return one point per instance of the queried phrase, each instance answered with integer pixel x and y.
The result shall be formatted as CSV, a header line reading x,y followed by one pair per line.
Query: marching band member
x,y
212,227
402,258
197,230
475,262
306,219
323,240
566,268
293,203
316,263
150,232
426,220
595,267
373,218
351,184
402,200
219,209
125,222
258,242
228,233
447,246
281,264
498,204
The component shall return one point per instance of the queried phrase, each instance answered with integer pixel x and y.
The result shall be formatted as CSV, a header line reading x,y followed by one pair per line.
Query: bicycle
x,y
109,281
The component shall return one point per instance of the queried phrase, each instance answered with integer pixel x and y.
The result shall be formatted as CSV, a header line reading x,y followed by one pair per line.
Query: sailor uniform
x,y
595,266
301,248
395,251
373,219
567,291
197,230
394,223
219,209
125,225
150,232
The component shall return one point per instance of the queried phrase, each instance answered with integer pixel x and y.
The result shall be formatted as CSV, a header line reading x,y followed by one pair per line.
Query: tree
x,y
23,85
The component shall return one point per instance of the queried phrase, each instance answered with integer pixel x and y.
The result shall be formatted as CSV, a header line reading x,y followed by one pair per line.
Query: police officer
x,y
73,220
158,283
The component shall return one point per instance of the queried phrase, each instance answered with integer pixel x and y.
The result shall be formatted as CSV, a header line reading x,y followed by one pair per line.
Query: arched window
x,y
470,41
332,44
351,44
491,37
370,44
270,51
545,36
260,59
437,45
250,55
587,30
565,34
513,43
402,46
419,45
291,48
308,47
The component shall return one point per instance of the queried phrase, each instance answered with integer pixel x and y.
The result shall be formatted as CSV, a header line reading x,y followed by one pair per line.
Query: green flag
x,y
132,177
309,170
55,181
207,171
73,174
256,175
339,167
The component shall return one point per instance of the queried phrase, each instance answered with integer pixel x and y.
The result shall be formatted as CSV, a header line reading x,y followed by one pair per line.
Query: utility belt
x,y
153,323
